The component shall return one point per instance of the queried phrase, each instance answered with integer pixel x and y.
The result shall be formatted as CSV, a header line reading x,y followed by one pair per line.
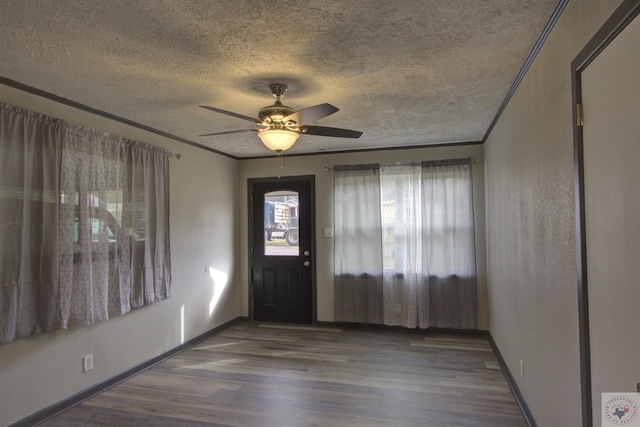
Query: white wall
x,y
42,370
531,243
314,165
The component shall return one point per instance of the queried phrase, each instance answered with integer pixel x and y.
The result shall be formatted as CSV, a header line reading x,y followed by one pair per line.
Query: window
x,y
281,223
71,203
420,243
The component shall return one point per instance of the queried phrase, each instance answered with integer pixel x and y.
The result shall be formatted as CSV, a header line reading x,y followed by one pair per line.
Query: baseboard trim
x,y
66,404
513,386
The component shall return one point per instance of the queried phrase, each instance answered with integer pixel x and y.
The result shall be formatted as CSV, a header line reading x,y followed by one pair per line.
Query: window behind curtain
x,y
89,214
426,240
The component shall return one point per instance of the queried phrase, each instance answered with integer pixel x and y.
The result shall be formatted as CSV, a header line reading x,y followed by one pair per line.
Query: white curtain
x,y
114,226
358,245
449,243
95,283
84,224
405,296
30,146
148,215
425,247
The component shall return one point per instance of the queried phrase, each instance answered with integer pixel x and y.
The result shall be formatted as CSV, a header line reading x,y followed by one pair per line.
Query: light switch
x,y
328,232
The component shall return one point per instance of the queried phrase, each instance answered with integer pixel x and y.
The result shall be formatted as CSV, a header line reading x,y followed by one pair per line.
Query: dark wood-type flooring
x,y
275,375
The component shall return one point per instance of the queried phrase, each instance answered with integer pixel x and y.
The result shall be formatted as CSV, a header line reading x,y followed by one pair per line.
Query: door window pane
x,y
281,223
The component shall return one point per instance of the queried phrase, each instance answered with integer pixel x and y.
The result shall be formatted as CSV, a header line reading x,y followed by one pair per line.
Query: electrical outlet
x,y
87,362
521,368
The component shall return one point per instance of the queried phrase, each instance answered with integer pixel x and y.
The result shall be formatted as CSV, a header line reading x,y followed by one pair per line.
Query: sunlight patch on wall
x,y
182,324
220,280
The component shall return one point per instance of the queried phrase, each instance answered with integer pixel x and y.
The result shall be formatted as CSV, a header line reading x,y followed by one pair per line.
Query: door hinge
x,y
579,115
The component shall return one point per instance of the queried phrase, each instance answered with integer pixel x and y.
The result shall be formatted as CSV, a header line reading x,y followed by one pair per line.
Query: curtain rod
x,y
473,160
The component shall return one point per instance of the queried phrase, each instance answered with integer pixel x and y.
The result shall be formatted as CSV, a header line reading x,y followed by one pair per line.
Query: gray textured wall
x,y
531,247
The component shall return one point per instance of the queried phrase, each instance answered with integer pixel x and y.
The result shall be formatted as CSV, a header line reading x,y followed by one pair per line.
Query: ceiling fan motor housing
x,y
273,114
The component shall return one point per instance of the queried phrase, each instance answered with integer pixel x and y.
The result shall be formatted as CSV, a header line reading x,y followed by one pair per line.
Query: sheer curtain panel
x,y
405,294
358,244
94,250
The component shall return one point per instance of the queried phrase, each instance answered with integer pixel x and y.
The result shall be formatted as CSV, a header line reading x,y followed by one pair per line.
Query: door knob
x,y
307,263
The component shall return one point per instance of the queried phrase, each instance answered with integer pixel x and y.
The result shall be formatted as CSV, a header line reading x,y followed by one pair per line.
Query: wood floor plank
x,y
293,375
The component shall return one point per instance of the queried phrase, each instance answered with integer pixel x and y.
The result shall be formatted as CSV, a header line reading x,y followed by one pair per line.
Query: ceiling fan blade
x,y
230,131
230,113
326,131
311,114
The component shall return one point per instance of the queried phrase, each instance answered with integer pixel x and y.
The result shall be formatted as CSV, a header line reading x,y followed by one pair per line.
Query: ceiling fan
x,y
282,125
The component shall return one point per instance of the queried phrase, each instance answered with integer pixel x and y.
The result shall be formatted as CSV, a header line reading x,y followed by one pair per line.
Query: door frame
x,y
616,23
311,179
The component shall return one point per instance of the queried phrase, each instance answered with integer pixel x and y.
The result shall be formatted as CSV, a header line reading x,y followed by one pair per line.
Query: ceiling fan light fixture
x,y
278,140
282,125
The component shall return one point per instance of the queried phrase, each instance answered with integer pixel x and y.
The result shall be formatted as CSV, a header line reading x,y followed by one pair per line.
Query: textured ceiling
x,y
404,72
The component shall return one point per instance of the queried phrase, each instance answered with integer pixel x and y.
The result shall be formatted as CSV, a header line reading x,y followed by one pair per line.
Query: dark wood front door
x,y
282,249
